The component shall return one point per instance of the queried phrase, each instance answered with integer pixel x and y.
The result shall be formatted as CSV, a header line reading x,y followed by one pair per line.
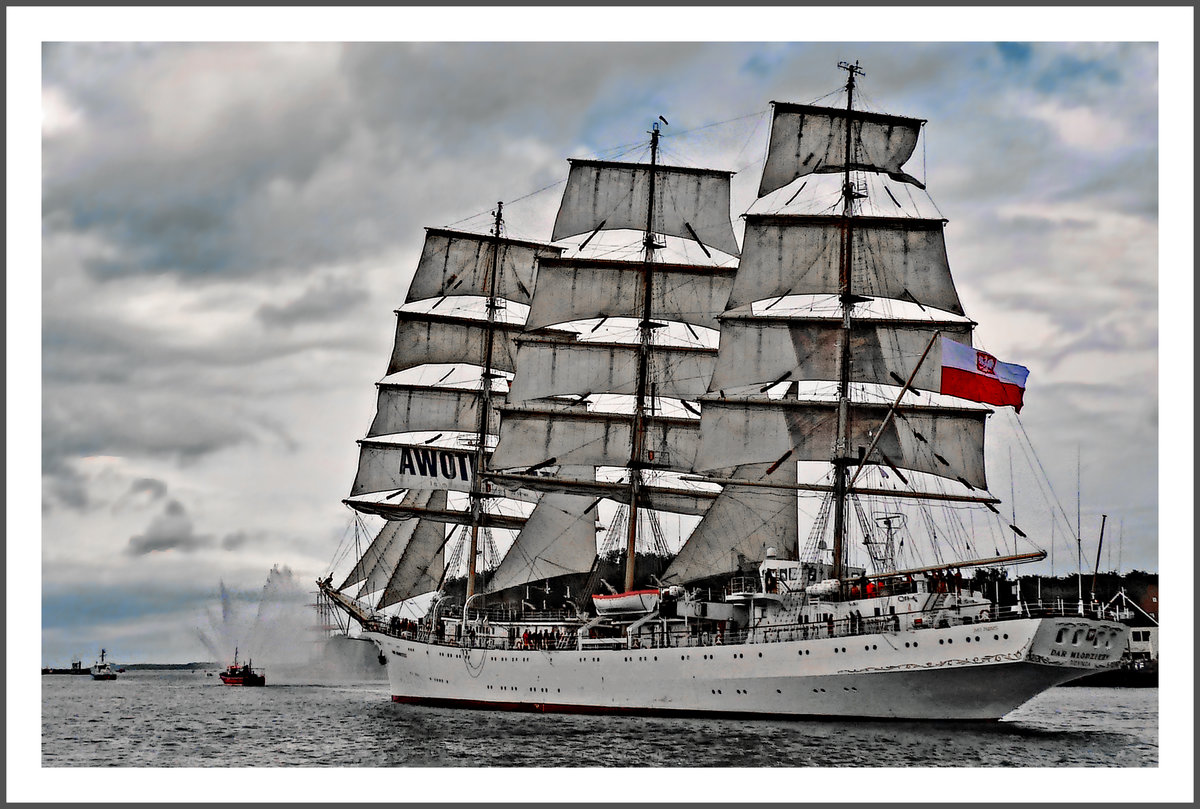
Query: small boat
x,y
242,675
636,601
101,670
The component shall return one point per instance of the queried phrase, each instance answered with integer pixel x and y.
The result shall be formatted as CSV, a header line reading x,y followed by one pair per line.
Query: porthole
x,y
905,644
1006,636
995,637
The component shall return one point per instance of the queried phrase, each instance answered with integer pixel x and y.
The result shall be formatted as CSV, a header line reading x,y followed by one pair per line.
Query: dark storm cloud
x,y
78,421
142,491
206,162
185,149
63,486
150,486
171,530
240,539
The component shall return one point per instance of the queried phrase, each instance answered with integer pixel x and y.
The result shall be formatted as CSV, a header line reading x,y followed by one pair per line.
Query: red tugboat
x,y
242,675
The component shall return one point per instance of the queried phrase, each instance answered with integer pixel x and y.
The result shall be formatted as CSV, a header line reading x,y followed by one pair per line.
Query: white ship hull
x,y
981,672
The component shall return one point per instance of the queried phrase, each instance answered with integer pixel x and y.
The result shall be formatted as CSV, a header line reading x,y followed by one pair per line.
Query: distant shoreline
x,y
143,667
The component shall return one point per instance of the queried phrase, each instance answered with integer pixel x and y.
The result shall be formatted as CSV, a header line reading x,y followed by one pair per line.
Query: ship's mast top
x,y
848,194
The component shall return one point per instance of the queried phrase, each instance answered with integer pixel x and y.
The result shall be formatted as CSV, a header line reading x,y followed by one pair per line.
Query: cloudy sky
x,y
226,228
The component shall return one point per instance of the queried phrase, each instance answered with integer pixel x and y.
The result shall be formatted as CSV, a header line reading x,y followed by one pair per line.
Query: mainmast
x,y
645,332
485,403
841,459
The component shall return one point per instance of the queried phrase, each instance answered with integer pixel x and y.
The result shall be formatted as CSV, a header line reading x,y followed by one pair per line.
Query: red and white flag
x,y
976,375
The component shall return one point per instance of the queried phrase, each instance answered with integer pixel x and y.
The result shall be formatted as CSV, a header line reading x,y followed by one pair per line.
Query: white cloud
x,y
1083,127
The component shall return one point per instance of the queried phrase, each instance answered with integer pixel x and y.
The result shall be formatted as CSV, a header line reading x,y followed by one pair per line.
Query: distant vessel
x,y
242,674
101,670
824,330
1139,662
76,668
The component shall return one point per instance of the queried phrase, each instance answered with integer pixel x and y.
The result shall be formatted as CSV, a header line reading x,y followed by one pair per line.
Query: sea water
x,y
190,719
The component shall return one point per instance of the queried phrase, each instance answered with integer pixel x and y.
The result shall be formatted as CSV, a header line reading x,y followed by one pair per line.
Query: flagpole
x,y
892,410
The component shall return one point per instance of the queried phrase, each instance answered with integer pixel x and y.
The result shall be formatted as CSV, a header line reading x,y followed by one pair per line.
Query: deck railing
x,y
653,636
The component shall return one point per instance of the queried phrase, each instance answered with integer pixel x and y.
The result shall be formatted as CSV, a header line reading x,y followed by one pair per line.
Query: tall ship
x,y
650,413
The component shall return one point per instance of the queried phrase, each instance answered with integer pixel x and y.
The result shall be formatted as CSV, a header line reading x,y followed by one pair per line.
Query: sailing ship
x,y
101,670
614,392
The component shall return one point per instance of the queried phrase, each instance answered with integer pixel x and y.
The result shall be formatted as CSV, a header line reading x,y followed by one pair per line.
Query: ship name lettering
x,y
430,462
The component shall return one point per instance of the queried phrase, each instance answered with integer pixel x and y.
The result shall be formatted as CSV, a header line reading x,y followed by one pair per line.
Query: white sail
x,y
580,289
384,551
552,368
430,338
759,350
744,520
558,538
534,436
386,466
422,561
690,203
812,140
942,441
457,263
418,408
903,259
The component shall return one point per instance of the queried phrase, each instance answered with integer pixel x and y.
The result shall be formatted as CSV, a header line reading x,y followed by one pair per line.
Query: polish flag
x,y
976,375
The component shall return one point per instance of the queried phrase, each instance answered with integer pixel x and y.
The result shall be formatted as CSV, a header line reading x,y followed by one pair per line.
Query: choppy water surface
x,y
184,719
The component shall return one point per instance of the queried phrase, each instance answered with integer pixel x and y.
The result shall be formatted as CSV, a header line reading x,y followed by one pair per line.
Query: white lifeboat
x,y
632,603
